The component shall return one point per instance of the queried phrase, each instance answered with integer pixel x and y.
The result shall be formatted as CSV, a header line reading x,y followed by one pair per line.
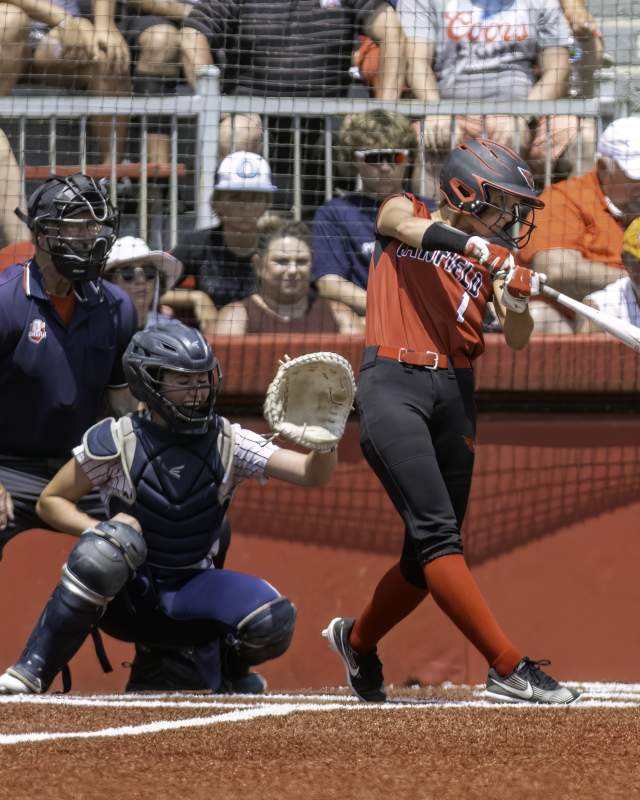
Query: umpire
x,y
62,335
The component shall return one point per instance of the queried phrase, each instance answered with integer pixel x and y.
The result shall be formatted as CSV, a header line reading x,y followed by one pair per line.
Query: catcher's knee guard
x,y
266,633
102,562
98,567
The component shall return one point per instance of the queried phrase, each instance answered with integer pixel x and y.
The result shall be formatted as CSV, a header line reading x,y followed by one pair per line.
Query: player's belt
x,y
424,358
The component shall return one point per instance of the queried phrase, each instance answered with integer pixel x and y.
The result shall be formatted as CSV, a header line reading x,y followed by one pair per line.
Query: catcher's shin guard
x,y
264,634
98,567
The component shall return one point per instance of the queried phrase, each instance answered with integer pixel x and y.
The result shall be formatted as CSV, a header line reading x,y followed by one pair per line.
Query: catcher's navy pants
x,y
196,608
417,431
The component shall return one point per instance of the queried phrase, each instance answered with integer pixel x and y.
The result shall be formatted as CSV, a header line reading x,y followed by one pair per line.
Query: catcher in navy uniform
x,y
168,474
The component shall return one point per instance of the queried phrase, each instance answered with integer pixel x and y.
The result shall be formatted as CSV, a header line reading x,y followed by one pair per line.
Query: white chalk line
x,y
249,708
247,714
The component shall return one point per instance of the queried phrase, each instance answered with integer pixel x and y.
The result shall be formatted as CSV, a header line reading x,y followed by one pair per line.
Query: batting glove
x,y
491,256
519,284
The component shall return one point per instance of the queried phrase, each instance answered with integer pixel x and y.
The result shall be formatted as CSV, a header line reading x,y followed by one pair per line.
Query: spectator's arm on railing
x,y
554,73
231,320
349,323
195,303
384,28
334,287
172,9
568,272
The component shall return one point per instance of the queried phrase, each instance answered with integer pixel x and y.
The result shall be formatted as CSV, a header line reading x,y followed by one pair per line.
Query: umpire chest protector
x,y
178,486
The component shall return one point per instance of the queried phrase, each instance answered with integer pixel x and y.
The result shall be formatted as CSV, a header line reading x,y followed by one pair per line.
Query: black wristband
x,y
439,236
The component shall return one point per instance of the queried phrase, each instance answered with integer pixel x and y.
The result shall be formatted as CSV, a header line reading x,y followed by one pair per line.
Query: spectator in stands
x,y
621,298
578,236
291,49
62,335
50,41
379,146
12,229
493,50
217,261
285,302
143,274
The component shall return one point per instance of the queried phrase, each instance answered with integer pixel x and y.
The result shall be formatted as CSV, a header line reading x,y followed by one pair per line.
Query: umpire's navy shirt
x,y
53,376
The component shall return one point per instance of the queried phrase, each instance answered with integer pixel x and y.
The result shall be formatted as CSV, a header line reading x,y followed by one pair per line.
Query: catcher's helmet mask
x,y
61,203
480,175
178,348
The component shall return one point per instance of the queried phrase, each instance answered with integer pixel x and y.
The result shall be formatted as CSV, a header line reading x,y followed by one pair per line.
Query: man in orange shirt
x,y
426,297
578,238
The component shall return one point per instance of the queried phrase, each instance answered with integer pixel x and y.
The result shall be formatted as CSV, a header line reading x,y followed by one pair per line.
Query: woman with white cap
x,y
143,274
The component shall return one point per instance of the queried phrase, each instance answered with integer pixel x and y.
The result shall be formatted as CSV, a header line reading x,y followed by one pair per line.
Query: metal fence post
x,y
208,135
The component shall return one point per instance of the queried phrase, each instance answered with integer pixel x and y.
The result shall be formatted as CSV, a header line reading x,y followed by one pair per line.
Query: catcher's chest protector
x,y
176,481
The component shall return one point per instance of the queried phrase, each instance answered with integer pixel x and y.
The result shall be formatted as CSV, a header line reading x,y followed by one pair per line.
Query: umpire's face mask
x,y
78,246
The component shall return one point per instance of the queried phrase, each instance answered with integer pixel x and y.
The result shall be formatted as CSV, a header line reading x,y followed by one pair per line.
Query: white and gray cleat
x,y
529,684
11,683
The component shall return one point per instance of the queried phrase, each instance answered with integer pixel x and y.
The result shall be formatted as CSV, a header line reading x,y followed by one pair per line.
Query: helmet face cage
x,y
154,350
185,417
514,226
75,201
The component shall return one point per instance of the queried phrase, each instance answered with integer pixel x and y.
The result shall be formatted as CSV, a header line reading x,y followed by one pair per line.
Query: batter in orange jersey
x,y
428,287
426,299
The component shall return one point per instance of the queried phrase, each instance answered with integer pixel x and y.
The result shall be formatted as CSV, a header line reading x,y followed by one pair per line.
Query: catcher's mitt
x,y
310,398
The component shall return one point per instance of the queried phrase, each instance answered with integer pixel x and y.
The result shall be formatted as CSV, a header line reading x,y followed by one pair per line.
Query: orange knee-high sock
x,y
393,599
454,589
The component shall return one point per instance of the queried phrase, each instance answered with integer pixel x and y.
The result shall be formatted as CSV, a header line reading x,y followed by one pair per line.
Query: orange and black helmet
x,y
479,174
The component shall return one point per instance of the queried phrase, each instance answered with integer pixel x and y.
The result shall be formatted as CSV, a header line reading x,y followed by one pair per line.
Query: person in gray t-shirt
x,y
490,50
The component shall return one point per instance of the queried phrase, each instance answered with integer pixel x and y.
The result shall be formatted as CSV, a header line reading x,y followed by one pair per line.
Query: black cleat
x,y
364,673
529,684
164,669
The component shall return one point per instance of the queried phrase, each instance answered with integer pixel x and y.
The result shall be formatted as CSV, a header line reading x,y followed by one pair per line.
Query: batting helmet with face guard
x,y
480,174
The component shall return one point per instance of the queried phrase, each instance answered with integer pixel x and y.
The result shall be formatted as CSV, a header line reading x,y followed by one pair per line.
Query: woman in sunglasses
x,y
143,274
377,147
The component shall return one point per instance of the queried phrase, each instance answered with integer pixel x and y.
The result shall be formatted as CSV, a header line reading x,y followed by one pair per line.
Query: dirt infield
x,y
442,743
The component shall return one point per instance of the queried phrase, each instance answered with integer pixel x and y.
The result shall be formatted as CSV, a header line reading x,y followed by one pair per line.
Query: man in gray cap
x,y
578,236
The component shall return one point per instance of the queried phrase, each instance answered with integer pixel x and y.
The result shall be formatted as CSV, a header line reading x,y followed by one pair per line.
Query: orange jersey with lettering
x,y
425,299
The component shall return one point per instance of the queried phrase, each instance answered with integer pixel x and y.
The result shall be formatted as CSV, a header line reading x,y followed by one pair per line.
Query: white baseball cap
x,y
243,171
131,250
620,141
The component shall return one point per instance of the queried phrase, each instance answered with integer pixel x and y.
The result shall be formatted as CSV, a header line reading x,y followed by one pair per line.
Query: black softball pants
x,y
417,431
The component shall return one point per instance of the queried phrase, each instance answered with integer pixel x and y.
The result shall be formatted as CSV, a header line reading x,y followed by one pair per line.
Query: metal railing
x,y
207,107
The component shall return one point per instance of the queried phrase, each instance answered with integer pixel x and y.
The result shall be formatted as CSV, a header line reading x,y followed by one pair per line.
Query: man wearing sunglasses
x,y
378,148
